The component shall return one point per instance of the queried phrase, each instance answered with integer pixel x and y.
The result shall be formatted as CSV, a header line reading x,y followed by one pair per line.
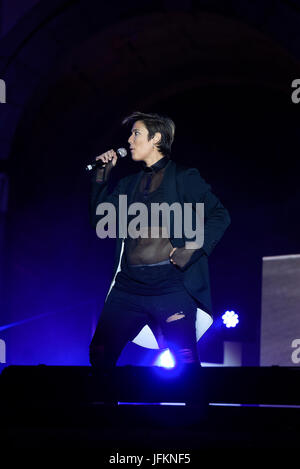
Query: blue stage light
x,y
165,360
230,319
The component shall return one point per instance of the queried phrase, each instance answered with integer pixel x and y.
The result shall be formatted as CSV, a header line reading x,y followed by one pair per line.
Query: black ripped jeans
x,y
125,313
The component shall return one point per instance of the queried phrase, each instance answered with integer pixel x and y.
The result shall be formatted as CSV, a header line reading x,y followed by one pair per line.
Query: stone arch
x,y
164,38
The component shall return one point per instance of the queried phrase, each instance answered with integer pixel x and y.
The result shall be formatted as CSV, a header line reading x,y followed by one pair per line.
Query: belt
x,y
150,265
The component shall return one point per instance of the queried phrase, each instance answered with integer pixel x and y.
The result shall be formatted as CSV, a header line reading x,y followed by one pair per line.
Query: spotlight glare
x,y
230,319
165,359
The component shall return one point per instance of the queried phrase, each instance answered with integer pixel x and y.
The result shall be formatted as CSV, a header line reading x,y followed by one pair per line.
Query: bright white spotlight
x,y
165,359
230,318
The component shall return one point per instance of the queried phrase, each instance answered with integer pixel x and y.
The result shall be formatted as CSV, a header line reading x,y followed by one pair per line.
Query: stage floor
x,y
134,429
59,407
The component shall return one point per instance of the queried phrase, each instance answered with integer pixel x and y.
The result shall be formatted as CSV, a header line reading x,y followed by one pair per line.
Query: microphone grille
x,y
122,152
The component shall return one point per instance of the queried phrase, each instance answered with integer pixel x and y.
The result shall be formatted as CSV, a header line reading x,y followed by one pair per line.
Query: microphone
x,y
121,152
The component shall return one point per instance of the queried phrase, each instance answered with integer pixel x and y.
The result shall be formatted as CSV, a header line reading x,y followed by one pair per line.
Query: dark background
x,y
73,69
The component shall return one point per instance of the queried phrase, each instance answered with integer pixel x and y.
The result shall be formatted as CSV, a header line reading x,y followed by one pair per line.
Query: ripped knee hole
x,y
175,317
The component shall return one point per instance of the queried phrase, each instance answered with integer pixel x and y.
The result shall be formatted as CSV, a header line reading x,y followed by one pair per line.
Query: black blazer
x,y
182,185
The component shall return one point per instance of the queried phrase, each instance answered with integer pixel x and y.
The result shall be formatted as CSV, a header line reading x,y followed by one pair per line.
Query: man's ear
x,y
157,137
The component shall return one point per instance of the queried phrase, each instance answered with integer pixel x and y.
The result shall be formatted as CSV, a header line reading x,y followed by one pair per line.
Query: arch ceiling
x,y
82,61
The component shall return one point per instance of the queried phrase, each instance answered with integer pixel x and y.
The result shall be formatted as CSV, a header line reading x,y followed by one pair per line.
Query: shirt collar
x,y
156,166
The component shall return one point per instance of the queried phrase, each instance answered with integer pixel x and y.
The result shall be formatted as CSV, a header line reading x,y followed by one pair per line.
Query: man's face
x,y
140,147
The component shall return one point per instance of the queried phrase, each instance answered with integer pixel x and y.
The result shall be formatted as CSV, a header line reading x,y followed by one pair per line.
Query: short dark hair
x,y
155,123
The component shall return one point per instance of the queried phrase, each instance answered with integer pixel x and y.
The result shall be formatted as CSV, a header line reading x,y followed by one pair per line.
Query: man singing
x,y
160,279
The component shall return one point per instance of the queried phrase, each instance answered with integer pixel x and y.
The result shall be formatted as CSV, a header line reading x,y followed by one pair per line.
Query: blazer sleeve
x,y
103,192
216,216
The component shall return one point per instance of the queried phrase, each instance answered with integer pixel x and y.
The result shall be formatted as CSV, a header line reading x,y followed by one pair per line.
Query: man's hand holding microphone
x,y
108,156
